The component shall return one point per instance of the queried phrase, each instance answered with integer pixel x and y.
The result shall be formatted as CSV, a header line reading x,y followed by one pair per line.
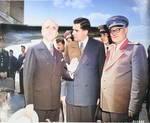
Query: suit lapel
x,y
88,50
114,60
118,54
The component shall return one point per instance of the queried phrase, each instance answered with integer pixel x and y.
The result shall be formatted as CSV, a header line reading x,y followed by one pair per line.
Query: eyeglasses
x,y
116,30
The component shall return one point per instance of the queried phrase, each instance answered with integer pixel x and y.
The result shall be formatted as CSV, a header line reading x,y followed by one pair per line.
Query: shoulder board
x,y
137,43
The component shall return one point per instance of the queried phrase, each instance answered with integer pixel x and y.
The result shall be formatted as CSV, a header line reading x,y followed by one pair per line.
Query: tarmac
x,y
17,102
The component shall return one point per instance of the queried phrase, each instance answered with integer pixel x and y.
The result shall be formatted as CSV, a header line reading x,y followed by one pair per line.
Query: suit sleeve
x,y
139,78
28,73
66,55
101,63
63,88
148,88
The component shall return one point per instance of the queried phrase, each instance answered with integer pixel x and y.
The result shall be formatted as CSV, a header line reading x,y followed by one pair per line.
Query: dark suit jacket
x,y
42,77
13,64
20,61
148,89
4,59
84,90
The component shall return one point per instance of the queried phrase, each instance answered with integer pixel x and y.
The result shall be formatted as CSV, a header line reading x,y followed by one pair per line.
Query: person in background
x,y
60,44
43,68
4,60
148,89
105,36
68,36
83,91
20,68
12,67
61,47
124,78
4,96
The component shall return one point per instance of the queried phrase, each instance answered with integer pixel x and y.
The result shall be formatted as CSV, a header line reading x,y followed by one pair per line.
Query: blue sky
x,y
97,11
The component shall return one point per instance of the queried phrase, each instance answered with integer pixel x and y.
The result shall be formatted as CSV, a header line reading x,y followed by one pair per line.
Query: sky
x,y
64,12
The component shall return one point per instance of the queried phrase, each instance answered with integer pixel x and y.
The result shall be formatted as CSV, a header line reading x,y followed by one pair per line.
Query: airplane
x,y
15,34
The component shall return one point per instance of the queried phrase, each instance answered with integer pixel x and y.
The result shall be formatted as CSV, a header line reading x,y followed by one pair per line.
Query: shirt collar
x,y
84,42
119,45
47,44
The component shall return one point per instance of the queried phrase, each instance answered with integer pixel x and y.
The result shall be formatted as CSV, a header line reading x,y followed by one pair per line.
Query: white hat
x,y
18,117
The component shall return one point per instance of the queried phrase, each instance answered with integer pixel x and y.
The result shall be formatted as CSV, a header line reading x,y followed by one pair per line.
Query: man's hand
x,y
63,99
29,111
131,113
73,65
98,101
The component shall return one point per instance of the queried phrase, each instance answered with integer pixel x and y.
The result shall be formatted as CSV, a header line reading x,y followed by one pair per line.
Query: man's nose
x,y
50,30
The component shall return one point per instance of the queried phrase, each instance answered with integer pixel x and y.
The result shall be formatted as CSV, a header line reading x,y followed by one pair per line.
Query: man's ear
x,y
41,32
126,30
57,34
86,32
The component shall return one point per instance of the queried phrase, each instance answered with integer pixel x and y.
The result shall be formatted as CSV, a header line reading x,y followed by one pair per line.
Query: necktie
x,y
81,47
51,49
107,57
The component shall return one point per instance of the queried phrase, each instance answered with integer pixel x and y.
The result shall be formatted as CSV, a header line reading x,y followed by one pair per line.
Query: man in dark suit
x,y
12,66
42,74
20,68
4,59
83,92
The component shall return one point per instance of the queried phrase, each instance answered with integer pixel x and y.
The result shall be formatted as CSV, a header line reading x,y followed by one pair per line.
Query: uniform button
x,y
104,87
86,85
47,63
86,75
106,72
104,80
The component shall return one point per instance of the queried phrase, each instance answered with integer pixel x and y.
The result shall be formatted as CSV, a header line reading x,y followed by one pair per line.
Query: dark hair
x,y
23,46
106,31
71,38
84,22
11,51
60,39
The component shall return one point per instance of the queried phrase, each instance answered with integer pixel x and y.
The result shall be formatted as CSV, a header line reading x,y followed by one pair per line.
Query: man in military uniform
x,y
4,59
124,78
